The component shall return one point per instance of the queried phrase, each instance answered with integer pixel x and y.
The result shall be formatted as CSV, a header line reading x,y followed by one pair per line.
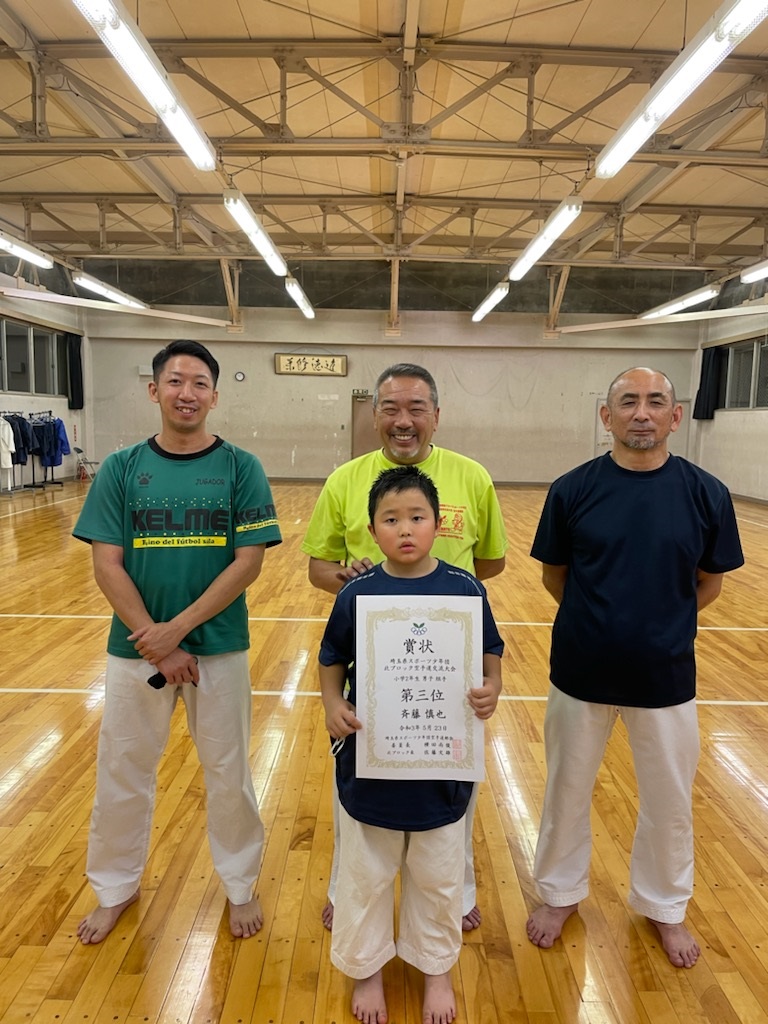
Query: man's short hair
x,y
647,369
407,370
184,348
402,478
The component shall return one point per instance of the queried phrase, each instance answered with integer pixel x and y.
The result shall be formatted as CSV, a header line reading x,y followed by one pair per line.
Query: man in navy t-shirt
x,y
633,544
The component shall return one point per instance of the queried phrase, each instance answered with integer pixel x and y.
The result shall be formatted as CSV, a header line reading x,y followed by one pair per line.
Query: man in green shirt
x,y
178,526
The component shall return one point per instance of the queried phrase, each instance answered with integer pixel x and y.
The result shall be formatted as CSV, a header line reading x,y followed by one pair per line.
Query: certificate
x,y
416,658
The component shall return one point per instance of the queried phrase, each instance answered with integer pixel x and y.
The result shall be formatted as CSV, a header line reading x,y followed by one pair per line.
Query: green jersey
x,y
178,519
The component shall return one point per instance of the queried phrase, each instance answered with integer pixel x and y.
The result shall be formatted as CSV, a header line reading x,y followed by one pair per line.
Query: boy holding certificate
x,y
414,826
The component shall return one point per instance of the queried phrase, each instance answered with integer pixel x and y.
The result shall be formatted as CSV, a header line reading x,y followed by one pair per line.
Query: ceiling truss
x,y
400,221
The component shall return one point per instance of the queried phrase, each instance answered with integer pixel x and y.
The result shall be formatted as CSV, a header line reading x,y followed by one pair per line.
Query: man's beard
x,y
642,444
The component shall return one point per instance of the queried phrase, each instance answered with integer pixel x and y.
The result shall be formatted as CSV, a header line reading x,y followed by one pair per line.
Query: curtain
x,y
75,370
706,397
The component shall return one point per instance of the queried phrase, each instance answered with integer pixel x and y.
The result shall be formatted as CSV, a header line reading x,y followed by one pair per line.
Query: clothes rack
x,y
44,436
37,418
12,486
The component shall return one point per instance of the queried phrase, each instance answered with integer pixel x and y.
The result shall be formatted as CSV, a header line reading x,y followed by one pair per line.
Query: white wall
x,y
522,405
520,402
734,445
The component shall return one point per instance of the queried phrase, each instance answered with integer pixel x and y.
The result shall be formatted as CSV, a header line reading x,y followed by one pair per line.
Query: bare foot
x,y
679,945
471,920
368,1002
546,923
245,919
327,916
439,1000
97,925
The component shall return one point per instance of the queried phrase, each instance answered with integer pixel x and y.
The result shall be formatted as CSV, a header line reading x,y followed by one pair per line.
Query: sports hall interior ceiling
x,y
401,153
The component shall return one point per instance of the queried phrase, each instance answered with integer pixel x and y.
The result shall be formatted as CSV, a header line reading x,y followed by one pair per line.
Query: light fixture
x,y
690,299
296,292
122,36
240,211
729,25
107,291
491,300
754,273
24,251
554,226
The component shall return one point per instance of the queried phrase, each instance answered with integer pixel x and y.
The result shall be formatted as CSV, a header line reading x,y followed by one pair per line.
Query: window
x,y
743,375
32,359
17,357
740,375
45,365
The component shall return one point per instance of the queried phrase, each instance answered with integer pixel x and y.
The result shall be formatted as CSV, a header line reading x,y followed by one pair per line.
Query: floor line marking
x,y
508,698
280,618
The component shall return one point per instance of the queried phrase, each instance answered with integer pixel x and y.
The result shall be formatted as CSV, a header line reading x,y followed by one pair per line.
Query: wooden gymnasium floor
x,y
171,958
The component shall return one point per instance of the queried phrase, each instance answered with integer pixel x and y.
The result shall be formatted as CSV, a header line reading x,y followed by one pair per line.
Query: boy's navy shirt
x,y
406,805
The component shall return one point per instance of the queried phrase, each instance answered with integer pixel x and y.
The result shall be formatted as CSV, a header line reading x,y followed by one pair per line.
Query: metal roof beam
x,y
471,96
176,65
637,249
302,68
410,31
390,47
545,134
231,147
538,208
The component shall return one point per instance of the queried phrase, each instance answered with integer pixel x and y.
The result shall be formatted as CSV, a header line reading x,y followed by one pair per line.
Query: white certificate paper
x,y
416,658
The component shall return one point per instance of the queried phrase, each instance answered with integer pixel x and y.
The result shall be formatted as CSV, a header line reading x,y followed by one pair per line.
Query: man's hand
x,y
331,576
156,641
179,667
348,572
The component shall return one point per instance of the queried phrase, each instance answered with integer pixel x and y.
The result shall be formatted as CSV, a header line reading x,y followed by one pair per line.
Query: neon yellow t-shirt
x,y
472,526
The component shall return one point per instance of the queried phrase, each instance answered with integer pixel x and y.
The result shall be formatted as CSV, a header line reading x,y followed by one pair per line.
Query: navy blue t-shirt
x,y
407,805
633,542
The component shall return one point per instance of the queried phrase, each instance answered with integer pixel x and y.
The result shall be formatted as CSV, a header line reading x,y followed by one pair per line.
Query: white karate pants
x,y
665,749
469,896
431,866
134,731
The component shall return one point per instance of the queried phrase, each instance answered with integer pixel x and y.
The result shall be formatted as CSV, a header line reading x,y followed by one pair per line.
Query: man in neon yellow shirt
x,y
472,535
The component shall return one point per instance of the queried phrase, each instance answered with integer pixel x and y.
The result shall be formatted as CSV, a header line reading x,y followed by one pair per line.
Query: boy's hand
x,y
483,699
340,719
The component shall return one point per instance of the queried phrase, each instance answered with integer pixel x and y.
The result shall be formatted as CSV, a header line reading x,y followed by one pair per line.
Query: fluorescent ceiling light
x,y
491,300
729,25
240,210
24,251
122,36
107,291
675,305
554,226
296,292
754,273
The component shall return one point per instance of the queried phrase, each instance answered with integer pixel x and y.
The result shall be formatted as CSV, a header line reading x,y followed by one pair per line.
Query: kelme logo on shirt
x,y
150,520
144,479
